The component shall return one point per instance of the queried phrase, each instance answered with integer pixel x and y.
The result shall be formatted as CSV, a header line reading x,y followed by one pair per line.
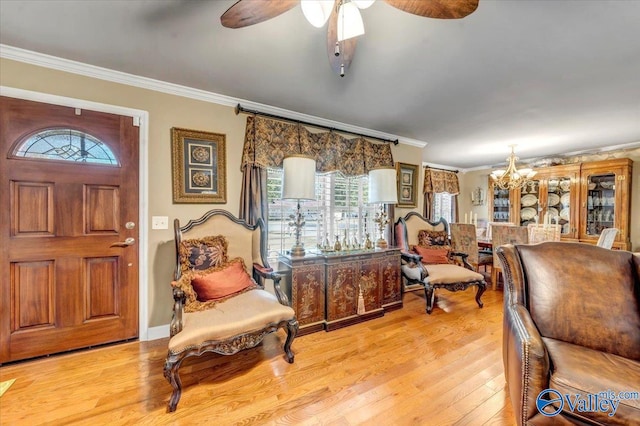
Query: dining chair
x,y
490,226
501,235
539,233
464,239
607,237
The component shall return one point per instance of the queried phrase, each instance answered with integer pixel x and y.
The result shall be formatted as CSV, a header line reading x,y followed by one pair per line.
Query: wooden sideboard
x,y
324,288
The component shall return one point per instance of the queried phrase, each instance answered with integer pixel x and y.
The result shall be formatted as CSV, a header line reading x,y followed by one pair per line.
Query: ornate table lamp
x,y
383,189
298,183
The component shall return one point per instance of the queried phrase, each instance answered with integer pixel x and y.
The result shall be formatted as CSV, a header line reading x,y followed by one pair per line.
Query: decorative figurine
x,y
368,244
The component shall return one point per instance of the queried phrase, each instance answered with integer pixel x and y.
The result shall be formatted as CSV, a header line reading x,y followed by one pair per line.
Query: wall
x,y
470,180
165,111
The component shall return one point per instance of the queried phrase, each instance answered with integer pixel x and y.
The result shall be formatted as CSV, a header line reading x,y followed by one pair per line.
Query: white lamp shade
x,y
317,12
349,22
382,186
299,178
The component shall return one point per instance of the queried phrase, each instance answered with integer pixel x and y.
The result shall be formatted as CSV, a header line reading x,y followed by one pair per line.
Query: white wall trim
x,y
60,64
159,332
143,243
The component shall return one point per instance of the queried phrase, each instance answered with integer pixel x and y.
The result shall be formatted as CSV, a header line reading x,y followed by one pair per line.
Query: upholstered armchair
x,y
221,304
572,325
428,261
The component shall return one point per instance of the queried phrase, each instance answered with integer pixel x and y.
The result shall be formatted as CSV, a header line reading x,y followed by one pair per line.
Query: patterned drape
x,y
268,141
436,181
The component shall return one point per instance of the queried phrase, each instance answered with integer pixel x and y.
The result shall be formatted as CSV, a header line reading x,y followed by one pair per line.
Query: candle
x,y
465,218
475,219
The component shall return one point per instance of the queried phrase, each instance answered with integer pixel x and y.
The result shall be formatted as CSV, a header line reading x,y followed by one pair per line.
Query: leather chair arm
x,y
526,361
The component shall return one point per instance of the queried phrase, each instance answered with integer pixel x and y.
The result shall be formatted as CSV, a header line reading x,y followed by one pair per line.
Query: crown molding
x,y
74,67
591,151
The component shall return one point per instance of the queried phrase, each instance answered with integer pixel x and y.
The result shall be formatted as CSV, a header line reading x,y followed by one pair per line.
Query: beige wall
x,y
165,111
470,180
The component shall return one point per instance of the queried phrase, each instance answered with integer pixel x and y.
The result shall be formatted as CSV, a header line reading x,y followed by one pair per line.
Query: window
x,y
340,210
66,145
444,206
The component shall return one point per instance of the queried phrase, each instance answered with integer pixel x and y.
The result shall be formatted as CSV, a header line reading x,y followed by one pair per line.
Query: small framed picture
x,y
407,184
199,166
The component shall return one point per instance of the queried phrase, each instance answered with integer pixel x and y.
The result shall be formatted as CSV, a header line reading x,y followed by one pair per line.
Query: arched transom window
x,y
66,145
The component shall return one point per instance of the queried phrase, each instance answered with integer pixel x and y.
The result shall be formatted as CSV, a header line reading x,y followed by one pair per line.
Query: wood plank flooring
x,y
406,368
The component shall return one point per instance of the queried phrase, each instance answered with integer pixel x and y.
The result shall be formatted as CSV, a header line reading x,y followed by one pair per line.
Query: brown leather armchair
x,y
572,325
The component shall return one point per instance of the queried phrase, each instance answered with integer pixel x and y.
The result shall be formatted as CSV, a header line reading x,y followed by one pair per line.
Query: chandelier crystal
x,y
512,178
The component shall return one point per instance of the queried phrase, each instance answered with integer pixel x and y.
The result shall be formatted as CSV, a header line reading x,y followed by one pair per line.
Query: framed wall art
x,y
407,185
199,166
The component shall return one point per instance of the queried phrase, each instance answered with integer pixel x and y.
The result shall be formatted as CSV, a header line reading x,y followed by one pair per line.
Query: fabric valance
x,y
268,141
436,181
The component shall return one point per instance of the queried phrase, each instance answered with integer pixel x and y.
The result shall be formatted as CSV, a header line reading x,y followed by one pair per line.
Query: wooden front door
x,y
69,231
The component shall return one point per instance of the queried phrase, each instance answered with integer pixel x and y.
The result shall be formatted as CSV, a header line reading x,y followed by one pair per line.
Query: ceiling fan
x,y
345,22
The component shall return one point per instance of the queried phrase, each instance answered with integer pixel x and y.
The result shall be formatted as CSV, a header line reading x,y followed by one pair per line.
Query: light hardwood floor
x,y
406,368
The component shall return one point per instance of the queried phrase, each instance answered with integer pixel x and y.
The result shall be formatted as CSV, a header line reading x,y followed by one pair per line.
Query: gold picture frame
x,y
407,176
198,166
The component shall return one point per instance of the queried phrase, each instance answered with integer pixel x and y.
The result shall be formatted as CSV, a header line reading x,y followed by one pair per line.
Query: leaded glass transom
x,y
67,145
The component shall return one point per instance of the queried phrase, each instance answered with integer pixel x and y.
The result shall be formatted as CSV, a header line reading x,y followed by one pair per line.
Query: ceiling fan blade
x,y
442,9
347,47
250,12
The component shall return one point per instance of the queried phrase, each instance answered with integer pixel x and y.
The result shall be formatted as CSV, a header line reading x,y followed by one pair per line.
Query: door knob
x,y
127,242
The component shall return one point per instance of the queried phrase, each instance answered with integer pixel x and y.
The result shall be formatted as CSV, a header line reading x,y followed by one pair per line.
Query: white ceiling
x,y
551,76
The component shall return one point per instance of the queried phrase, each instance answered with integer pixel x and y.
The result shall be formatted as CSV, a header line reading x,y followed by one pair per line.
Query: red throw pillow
x,y
222,282
432,256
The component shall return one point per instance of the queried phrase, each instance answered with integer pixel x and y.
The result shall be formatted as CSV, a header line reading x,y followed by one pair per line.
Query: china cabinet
x,y
553,193
584,198
605,198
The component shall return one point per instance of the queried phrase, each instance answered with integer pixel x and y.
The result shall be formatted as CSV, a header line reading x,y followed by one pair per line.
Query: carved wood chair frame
x,y
408,257
232,345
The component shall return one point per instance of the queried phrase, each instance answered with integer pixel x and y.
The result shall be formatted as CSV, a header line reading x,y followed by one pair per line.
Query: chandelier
x,y
512,178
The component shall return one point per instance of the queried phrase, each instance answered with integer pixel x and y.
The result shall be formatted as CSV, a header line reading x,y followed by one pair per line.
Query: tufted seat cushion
x,y
572,373
252,310
451,274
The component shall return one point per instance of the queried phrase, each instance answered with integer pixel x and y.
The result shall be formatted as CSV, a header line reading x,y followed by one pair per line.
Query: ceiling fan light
x,y
349,22
363,4
317,12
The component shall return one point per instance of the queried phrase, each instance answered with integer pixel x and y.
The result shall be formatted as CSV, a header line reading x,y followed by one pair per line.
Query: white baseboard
x,y
159,332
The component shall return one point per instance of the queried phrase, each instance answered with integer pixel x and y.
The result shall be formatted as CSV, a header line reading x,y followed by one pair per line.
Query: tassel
x,y
361,309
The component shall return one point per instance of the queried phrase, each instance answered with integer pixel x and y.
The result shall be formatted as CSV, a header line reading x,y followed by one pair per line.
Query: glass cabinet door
x,y
559,203
501,205
530,203
601,203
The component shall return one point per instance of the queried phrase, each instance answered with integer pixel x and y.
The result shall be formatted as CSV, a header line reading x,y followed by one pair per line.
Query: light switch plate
x,y
159,222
